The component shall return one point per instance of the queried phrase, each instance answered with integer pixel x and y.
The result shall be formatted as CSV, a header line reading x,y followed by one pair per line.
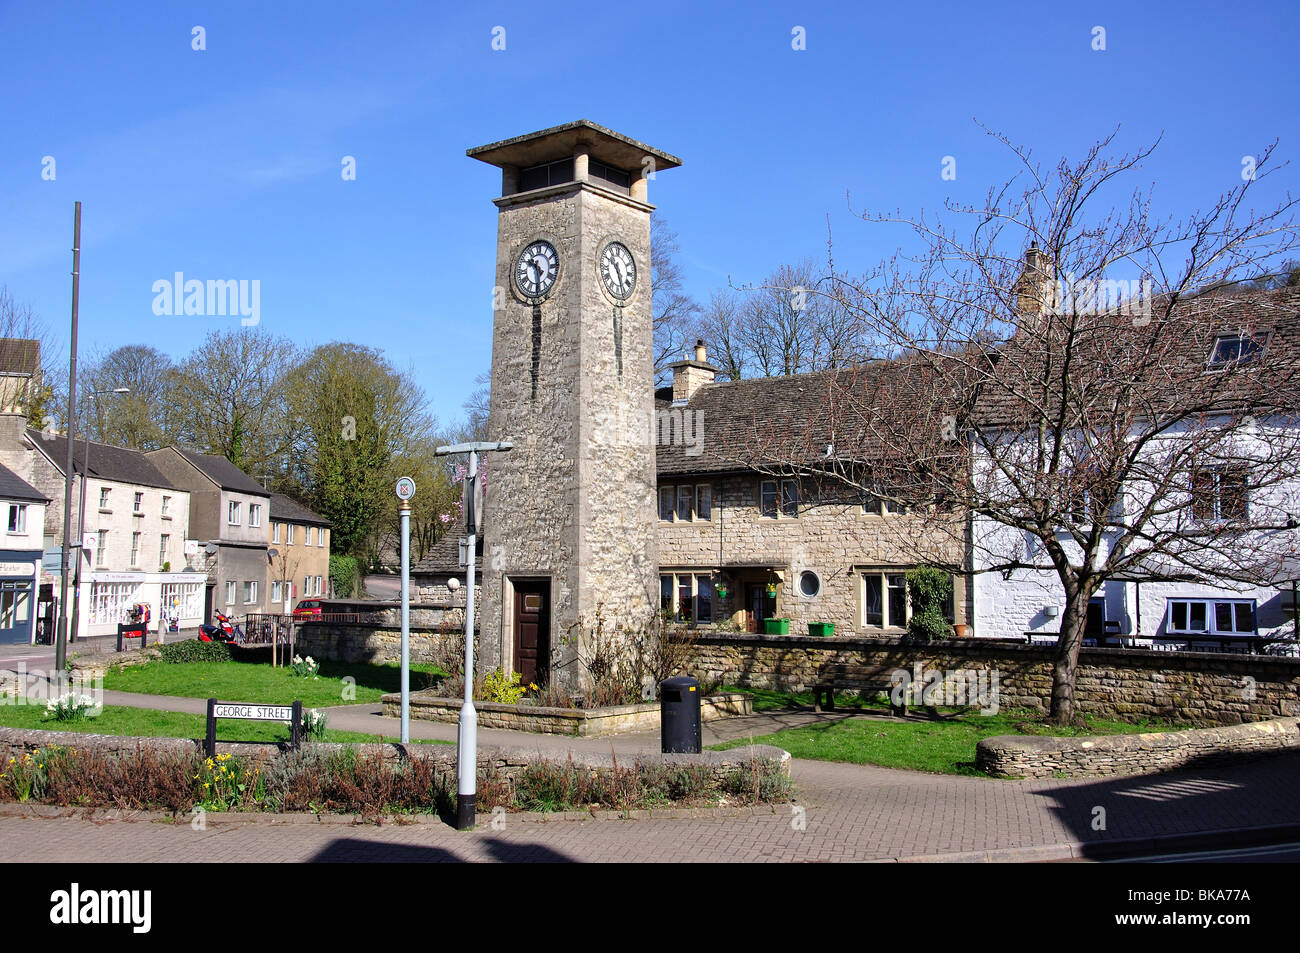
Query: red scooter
x,y
226,630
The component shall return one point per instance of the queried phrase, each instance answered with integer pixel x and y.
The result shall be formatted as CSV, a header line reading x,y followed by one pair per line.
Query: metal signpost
x,y
467,729
405,490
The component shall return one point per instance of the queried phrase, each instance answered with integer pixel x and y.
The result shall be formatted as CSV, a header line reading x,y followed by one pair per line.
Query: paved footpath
x,y
844,812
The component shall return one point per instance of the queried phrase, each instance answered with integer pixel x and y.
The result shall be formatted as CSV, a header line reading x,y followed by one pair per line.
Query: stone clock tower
x,y
569,518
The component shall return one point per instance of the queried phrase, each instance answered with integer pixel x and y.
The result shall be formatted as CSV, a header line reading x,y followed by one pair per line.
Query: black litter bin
x,y
679,715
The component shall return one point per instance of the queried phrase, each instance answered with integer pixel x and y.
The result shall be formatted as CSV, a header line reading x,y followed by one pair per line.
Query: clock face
x,y
618,270
536,269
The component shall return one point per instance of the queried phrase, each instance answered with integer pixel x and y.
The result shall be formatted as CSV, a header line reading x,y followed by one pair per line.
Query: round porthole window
x,y
810,583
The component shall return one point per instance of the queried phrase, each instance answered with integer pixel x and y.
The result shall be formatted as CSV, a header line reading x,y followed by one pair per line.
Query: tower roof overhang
x,y
572,138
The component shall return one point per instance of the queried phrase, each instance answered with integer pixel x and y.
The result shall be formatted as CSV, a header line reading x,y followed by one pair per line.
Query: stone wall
x,y
1019,756
581,722
433,635
1126,684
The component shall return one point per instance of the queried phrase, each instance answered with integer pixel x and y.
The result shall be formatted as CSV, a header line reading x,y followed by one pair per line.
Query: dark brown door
x,y
532,630
760,606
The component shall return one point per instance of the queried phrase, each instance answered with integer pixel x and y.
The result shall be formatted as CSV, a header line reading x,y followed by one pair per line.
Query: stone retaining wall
x,y
1125,684
582,722
379,643
1021,756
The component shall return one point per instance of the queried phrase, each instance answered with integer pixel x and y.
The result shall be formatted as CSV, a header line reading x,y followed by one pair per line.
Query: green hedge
x,y
193,650
345,577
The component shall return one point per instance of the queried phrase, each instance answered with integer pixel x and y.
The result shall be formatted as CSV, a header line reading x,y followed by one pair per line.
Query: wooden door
x,y
758,606
532,630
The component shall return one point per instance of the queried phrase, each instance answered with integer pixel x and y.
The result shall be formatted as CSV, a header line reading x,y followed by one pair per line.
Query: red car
x,y
307,610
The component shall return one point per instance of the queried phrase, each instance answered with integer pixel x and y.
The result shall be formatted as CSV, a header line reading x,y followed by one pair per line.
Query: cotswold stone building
x,y
598,507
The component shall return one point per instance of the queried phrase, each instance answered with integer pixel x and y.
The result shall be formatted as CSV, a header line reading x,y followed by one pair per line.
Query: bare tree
x,y
1088,415
675,313
145,418
40,396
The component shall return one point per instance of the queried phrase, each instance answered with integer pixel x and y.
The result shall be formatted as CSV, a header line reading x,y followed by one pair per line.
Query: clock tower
x,y
569,514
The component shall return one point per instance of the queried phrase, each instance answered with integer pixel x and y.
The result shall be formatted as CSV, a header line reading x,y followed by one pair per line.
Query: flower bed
x,y
583,722
173,775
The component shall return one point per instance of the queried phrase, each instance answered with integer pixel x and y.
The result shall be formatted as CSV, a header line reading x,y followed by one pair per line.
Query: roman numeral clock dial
x,y
618,270
536,269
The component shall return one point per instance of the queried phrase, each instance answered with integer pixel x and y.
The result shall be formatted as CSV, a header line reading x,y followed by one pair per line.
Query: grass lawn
x,y
118,720
943,743
240,681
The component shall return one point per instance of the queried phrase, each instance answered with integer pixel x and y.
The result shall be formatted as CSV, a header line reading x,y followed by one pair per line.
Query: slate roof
x,y
444,558
106,462
1118,357
773,421
223,473
14,487
285,509
19,357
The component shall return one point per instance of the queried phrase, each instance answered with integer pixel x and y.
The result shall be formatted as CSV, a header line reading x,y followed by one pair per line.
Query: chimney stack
x,y
690,375
1034,289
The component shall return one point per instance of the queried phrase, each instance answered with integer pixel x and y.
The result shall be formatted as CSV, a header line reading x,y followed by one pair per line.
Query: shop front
x,y
18,582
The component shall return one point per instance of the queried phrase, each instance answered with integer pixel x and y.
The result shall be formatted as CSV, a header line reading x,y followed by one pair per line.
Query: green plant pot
x,y
821,628
776,626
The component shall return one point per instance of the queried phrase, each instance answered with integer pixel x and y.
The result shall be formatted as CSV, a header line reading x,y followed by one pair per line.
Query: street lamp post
x,y
467,729
80,546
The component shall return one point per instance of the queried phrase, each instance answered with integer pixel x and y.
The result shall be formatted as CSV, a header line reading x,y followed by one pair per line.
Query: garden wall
x,y
582,722
1026,756
433,631
1126,684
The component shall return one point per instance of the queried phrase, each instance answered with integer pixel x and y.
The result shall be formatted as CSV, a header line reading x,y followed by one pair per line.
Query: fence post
x,y
210,742
295,730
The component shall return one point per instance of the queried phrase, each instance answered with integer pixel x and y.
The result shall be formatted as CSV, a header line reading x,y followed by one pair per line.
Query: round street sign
x,y
405,488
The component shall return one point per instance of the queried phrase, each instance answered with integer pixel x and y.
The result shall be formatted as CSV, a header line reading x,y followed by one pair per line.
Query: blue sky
x,y
225,163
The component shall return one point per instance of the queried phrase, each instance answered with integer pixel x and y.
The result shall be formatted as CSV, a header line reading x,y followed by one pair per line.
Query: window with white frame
x,y
320,536
105,497
275,532
135,549
110,601
184,599
1211,616
254,514
164,544
1236,349
687,596
166,506
17,517
250,592
231,592
289,534
232,513
277,590
101,548
137,505
311,535
320,585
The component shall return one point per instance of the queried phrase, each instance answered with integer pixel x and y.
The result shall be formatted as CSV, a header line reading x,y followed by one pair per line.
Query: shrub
x,y
503,688
928,589
758,781
345,577
192,650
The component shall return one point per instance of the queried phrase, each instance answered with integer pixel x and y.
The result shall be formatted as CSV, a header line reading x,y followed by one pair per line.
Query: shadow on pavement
x,y
1202,796
356,850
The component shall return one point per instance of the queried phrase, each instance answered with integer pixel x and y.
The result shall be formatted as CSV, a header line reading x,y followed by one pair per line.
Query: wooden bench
x,y
862,678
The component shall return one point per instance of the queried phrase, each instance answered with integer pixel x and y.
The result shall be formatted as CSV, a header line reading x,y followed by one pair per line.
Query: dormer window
x,y
1236,349
541,176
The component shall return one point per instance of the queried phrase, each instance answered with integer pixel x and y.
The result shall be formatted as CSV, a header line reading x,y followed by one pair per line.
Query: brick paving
x,y
846,813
